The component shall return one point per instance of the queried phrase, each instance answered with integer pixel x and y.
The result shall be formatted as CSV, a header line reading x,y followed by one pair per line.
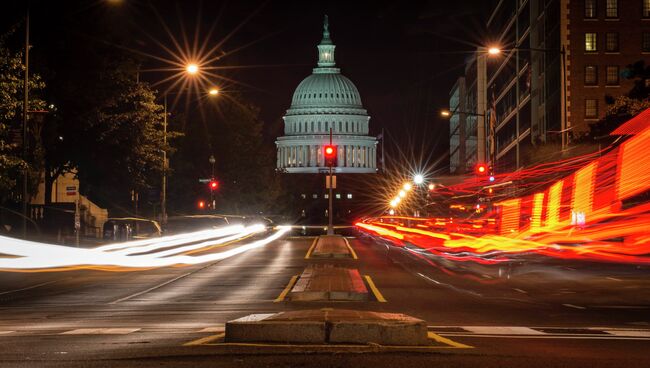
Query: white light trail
x,y
34,255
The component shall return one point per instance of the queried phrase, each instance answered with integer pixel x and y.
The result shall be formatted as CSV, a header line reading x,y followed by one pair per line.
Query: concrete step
x,y
329,326
332,246
329,282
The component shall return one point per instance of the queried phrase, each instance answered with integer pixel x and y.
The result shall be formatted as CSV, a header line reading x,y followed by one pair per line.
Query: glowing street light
x,y
192,68
407,186
402,193
418,179
213,92
445,113
494,51
432,186
397,200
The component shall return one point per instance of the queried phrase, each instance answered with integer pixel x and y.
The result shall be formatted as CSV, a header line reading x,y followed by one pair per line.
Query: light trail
x,y
44,257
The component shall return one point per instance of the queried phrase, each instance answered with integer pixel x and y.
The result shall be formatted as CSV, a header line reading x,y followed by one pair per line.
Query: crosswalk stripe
x,y
100,331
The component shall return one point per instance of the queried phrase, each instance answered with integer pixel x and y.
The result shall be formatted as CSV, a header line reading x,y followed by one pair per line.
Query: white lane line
x,y
629,333
6,332
575,337
150,289
101,331
520,291
613,278
574,306
30,287
502,330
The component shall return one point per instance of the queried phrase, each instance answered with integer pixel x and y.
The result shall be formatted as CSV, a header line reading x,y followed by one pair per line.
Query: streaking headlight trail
x,y
166,251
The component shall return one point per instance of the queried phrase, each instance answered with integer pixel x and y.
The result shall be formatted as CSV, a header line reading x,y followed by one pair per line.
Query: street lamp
x,y
192,68
407,186
418,179
565,128
402,193
213,92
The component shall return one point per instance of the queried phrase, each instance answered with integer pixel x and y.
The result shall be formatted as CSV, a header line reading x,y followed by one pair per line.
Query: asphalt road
x,y
533,315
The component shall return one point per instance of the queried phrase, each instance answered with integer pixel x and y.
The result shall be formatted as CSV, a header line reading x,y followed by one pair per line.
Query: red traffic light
x,y
214,184
481,169
201,204
329,152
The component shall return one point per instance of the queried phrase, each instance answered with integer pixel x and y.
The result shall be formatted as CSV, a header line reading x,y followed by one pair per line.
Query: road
x,y
140,318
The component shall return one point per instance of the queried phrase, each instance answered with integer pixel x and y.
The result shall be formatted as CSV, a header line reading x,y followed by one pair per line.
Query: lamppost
x,y
562,52
212,161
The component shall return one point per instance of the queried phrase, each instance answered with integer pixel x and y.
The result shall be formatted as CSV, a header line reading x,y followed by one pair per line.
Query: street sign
x,y
327,182
204,180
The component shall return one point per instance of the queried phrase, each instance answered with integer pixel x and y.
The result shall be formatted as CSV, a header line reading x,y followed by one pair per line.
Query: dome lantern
x,y
326,48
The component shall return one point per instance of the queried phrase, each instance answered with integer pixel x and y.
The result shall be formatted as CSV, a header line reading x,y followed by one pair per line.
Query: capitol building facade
x,y
324,102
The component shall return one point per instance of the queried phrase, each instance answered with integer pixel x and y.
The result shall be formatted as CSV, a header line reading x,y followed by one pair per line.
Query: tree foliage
x,y
12,163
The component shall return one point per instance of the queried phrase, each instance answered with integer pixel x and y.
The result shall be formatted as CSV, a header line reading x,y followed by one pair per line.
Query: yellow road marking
x,y
205,340
286,290
334,346
354,254
380,298
444,340
311,248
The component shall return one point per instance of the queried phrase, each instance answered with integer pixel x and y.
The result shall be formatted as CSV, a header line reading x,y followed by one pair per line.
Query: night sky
x,y
403,56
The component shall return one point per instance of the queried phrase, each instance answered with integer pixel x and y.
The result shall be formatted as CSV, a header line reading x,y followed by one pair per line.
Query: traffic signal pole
x,y
330,214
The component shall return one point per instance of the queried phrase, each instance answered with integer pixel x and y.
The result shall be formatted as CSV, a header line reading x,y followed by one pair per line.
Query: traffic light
x,y
201,205
481,169
214,184
329,152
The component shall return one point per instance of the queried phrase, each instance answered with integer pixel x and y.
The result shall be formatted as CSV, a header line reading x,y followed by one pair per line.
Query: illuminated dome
x,y
326,100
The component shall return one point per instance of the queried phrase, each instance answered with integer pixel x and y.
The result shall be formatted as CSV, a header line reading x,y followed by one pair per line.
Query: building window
x,y
591,108
303,196
338,195
349,195
590,42
646,8
646,42
611,42
590,9
612,75
612,9
326,196
591,75
315,196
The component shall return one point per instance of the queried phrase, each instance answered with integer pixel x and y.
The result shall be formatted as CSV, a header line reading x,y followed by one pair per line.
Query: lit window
x,y
349,195
646,42
338,196
590,9
326,196
303,196
591,75
646,8
612,9
591,108
611,42
315,196
612,75
590,42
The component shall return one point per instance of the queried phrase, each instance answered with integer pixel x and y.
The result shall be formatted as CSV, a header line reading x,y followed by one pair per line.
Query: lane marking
x,y
380,298
574,306
502,330
446,341
354,254
205,340
100,331
548,336
329,347
220,328
286,290
311,248
31,287
6,332
151,288
637,333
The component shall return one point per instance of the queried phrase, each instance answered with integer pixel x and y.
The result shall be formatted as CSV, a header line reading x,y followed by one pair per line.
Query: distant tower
x,y
326,99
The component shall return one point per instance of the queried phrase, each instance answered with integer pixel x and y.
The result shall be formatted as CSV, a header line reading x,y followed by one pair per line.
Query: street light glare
x,y
214,92
445,113
418,179
408,186
432,186
192,68
494,51
402,193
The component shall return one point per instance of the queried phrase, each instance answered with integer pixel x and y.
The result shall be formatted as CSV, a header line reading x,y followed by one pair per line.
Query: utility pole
x,y
25,112
163,201
330,214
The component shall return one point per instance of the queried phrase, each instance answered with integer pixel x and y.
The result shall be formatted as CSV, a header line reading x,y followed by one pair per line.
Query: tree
x,y
12,164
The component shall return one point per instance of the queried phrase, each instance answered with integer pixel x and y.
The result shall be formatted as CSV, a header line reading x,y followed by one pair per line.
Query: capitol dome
x,y
324,102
